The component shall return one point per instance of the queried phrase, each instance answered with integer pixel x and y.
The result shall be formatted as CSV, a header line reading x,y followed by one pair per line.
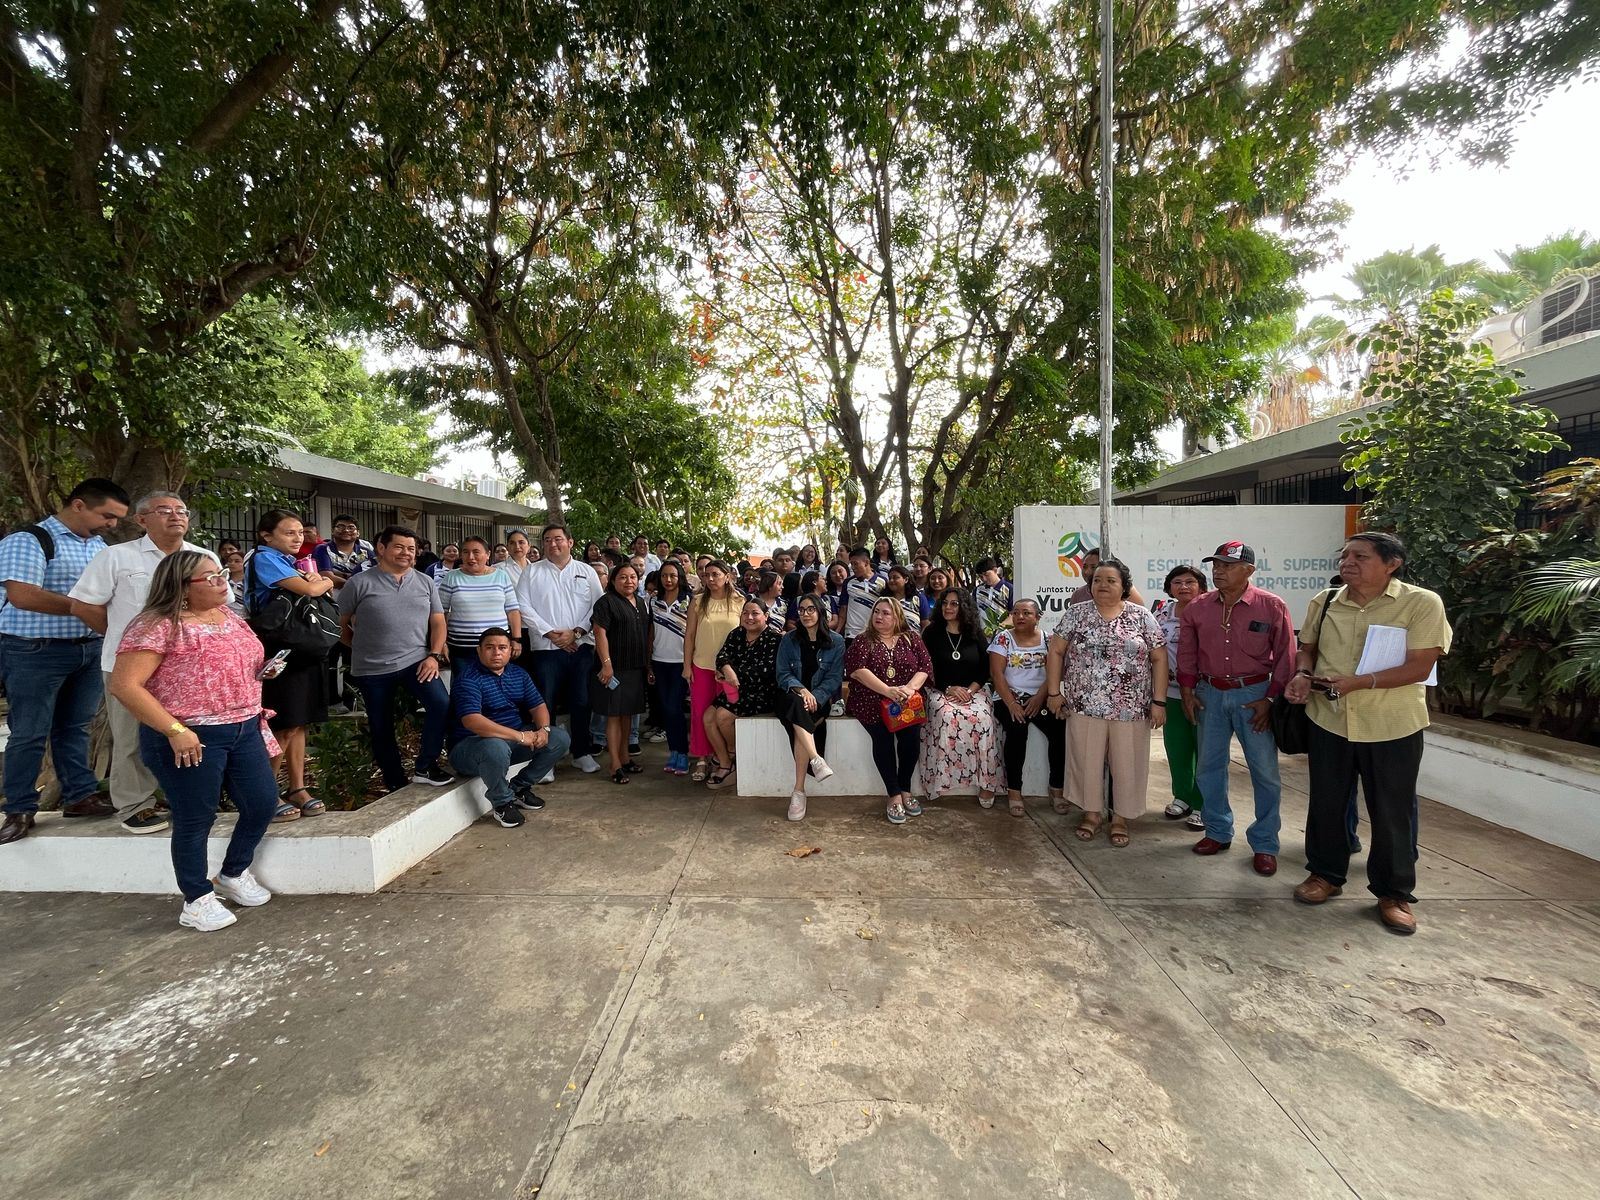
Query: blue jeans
x,y
558,672
672,689
235,757
1222,716
491,759
54,687
378,693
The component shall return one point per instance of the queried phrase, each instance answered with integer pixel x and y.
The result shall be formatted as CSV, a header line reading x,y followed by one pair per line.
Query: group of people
x,y
946,672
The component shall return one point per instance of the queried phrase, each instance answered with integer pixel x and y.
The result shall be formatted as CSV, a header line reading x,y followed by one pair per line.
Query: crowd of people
x,y
210,685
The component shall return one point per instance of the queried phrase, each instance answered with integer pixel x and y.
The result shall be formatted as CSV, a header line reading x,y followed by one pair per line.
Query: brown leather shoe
x,y
16,827
1209,846
1265,864
1396,916
97,805
1316,890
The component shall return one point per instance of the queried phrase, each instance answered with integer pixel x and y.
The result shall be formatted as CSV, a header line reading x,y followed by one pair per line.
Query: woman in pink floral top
x,y
189,669
888,662
1108,669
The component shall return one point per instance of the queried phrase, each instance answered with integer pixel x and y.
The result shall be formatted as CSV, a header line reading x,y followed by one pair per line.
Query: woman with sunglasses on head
x,y
189,669
888,663
810,674
961,744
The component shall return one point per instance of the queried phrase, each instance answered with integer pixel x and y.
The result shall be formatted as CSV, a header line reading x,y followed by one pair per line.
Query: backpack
x,y
288,619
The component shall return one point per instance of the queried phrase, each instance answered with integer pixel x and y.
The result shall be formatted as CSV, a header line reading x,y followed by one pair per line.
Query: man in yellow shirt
x,y
1367,720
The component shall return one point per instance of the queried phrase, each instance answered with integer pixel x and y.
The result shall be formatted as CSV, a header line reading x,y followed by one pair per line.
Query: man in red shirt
x,y
1235,653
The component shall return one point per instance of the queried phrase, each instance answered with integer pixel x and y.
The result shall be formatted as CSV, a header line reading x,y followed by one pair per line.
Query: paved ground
x,y
639,994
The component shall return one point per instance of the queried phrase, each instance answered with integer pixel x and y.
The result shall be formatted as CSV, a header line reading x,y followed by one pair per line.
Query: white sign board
x,y
1297,546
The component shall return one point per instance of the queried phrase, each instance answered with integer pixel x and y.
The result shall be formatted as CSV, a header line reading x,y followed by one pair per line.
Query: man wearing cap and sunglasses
x,y
1235,653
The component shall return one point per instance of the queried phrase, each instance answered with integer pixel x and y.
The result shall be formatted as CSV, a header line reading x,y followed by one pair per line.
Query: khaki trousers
x,y
133,788
1126,746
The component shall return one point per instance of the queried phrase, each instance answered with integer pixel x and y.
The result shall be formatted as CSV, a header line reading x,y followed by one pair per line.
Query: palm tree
x,y
1527,271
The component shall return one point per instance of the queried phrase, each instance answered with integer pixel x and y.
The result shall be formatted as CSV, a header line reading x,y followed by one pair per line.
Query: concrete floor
x,y
640,994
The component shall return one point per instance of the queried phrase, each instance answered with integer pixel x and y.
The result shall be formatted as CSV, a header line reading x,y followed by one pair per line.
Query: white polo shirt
x,y
553,597
119,577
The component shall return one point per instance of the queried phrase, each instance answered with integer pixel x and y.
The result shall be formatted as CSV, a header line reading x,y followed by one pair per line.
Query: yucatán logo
x,y
1070,551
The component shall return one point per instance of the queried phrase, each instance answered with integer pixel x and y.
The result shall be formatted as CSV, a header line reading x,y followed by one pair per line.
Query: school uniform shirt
x,y
352,562
859,597
994,605
913,612
778,616
671,621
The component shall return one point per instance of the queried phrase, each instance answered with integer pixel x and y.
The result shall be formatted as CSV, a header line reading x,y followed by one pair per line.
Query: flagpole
x,y
1107,152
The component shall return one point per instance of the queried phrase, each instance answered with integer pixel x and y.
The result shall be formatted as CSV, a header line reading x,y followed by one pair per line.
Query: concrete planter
x,y
1537,785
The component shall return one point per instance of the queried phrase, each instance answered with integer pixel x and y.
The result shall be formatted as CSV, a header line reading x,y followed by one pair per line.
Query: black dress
x,y
627,627
756,664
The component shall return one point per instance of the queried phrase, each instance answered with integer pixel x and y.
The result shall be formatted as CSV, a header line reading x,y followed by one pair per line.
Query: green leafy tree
x,y
1527,271
1441,449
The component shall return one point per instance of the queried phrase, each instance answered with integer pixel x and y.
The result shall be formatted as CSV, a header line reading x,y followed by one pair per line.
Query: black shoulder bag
x,y
292,620
1291,727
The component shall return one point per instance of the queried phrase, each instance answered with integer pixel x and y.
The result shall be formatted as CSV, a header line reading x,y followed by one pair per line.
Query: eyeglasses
x,y
166,510
209,577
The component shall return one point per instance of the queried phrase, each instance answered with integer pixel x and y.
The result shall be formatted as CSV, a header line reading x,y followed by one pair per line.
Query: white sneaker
x,y
586,763
243,889
820,769
836,709
206,914
549,776
797,806
1196,821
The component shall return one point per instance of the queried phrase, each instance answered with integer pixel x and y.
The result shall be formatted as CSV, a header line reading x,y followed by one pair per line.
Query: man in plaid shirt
x,y
49,659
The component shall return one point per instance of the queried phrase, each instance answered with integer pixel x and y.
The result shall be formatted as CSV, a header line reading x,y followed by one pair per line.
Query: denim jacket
x,y
830,667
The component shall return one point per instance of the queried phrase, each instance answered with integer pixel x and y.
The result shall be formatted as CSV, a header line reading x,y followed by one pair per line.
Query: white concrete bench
x,y
766,762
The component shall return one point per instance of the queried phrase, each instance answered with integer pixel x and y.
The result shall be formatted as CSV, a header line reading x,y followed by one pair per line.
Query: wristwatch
x,y
441,659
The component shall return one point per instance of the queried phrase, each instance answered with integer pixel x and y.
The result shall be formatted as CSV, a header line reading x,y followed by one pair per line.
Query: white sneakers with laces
x,y
820,769
243,888
797,806
206,914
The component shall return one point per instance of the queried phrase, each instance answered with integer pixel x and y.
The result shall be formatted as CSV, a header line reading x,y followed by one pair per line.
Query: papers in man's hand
x,y
1385,648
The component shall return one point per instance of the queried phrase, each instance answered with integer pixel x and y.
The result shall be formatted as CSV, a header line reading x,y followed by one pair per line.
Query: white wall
x,y
1296,546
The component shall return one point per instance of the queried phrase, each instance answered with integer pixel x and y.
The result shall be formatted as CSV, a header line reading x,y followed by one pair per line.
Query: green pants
x,y
1182,744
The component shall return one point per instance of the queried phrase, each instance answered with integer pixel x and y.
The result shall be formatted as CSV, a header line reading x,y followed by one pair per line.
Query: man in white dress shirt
x,y
557,596
108,595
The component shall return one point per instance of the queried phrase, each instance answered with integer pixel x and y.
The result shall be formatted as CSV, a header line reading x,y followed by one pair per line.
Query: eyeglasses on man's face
x,y
167,510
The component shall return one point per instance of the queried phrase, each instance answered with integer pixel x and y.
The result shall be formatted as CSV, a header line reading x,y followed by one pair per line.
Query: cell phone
x,y
273,666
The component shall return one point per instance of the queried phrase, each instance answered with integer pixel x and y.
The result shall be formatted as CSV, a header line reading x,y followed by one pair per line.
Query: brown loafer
x,y
15,828
97,805
1316,890
1264,864
1396,916
1209,846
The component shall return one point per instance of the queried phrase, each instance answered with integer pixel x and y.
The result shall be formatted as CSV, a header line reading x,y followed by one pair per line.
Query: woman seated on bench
x,y
747,670
810,672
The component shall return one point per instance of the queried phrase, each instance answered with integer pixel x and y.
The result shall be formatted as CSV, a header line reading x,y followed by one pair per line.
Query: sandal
x,y
285,812
311,807
620,775
721,777
1059,803
1118,832
1016,806
632,768
698,775
1088,827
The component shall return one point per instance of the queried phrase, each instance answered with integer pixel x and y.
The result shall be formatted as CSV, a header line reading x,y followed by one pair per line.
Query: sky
x,y
1550,183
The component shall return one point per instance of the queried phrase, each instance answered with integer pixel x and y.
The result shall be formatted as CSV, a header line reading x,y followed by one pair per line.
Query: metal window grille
x,y
238,524
1205,498
370,517
1310,487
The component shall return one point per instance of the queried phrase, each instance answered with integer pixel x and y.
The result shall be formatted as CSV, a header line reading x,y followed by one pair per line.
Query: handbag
x,y
903,714
296,622
1291,727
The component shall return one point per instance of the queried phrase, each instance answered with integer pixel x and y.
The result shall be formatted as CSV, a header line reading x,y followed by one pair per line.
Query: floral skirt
x,y
961,747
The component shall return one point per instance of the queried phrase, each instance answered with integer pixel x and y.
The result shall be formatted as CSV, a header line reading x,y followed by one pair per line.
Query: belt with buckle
x,y
1226,683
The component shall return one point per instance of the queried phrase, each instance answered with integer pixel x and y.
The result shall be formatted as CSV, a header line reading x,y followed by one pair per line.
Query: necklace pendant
x,y
955,655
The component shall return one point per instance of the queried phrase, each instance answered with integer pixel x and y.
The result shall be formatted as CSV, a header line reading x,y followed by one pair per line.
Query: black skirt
x,y
625,700
299,695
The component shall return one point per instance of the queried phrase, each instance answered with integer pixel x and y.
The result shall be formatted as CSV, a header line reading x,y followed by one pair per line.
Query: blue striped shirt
x,y
473,603
22,561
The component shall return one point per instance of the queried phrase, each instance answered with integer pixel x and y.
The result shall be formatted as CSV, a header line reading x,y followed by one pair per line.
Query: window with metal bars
x,y
238,524
370,517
